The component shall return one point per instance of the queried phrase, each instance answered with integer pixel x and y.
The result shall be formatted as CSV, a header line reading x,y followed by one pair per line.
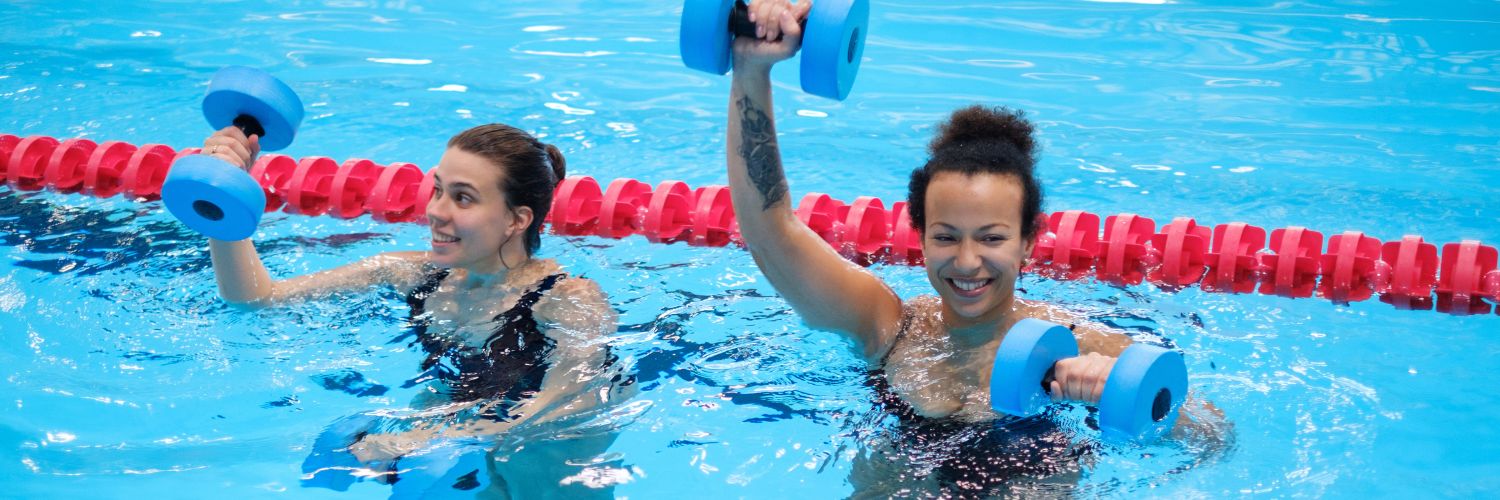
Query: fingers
x,y
230,145
1100,375
775,19
758,12
254,147
1081,378
791,19
768,26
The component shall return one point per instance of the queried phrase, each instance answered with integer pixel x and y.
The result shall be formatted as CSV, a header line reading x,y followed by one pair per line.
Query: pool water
x,y
124,375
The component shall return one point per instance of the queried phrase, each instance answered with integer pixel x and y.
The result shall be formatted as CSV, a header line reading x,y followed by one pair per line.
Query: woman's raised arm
x,y
829,292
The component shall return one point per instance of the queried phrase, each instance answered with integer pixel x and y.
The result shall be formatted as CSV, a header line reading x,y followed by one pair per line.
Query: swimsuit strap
x,y
529,300
519,320
906,318
417,299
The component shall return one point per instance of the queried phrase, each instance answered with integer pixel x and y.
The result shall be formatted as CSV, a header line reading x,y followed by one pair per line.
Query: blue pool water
x,y
124,375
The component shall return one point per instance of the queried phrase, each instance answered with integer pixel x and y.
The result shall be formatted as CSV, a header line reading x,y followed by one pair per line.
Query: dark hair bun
x,y
978,124
559,165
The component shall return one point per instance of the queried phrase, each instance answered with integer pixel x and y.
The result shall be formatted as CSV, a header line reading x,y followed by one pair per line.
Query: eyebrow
x,y
456,185
981,228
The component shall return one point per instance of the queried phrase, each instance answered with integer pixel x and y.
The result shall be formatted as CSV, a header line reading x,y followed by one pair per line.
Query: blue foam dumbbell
x,y
445,468
217,199
330,464
832,42
1141,396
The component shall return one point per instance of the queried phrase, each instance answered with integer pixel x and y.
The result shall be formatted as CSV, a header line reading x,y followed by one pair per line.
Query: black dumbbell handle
x,y
1048,378
739,21
1160,405
249,125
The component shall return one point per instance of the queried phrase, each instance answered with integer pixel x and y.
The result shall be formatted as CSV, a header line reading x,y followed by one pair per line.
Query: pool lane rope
x,y
1236,257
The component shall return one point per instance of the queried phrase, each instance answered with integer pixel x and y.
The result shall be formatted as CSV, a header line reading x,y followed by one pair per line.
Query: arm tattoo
x,y
758,149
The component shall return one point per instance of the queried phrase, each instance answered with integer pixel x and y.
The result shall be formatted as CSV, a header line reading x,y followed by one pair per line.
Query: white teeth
x,y
969,285
443,239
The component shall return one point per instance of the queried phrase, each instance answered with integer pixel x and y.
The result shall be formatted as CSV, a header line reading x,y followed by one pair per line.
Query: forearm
x,y
1200,421
242,277
829,292
1105,343
756,178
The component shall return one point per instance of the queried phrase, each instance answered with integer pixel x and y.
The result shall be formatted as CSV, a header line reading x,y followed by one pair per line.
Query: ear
x,y
522,220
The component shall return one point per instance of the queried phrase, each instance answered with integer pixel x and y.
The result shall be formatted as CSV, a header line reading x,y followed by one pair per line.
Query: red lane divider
x,y
1409,273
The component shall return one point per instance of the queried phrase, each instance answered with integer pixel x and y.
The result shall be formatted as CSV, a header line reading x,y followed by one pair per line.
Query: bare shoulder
x,y
921,317
577,303
922,313
1050,312
573,291
923,304
1092,335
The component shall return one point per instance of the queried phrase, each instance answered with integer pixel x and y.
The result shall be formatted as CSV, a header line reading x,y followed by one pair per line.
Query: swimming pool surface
x,y
124,375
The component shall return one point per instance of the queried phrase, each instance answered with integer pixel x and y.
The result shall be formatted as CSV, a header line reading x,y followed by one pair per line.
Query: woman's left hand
x,y
379,451
1081,378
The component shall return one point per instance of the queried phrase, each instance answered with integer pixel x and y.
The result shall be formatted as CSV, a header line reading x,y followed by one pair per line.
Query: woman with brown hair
x,y
510,339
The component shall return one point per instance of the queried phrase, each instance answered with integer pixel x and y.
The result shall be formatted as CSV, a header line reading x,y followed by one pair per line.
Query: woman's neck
x,y
495,272
975,332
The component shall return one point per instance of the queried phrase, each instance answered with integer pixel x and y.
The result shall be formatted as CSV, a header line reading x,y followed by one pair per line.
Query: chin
x,y
440,260
973,311
966,311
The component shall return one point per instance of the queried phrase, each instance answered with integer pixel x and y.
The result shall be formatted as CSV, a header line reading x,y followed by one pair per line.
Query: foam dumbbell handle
x,y
1143,393
1023,361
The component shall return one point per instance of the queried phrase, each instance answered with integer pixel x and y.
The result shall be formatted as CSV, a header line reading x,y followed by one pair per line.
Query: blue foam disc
x,y
832,45
1145,389
213,198
704,38
1029,349
239,90
330,465
446,468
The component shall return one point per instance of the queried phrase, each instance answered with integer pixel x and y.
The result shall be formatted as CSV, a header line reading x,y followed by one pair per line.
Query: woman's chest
x,y
467,323
940,386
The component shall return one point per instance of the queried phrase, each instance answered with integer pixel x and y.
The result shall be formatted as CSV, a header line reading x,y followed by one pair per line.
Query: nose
x,y
437,210
967,259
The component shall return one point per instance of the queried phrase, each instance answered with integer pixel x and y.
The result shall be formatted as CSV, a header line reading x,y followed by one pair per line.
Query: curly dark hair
x,y
531,168
981,140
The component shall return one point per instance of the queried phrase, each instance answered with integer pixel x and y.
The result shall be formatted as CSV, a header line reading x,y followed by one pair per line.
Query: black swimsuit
x,y
973,458
511,363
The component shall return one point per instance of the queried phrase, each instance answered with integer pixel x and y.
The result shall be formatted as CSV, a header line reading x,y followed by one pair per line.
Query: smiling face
x,y
974,245
468,214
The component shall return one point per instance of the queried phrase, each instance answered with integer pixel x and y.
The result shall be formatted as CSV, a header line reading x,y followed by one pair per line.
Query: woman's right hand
x,y
231,145
1081,378
773,19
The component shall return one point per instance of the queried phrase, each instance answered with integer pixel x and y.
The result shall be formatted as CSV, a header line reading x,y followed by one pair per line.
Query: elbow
x,y
245,300
244,303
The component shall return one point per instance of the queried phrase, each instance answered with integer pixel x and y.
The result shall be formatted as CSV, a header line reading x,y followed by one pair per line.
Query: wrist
x,y
752,70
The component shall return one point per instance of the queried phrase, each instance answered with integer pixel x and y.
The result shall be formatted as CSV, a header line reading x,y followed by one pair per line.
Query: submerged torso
x,y
945,434
503,357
